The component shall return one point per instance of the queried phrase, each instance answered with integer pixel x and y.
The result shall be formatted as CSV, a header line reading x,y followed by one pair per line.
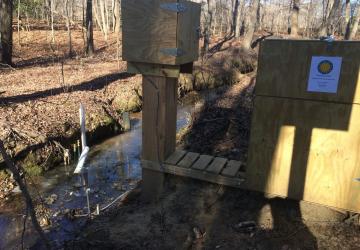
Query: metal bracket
x,y
329,40
173,52
175,7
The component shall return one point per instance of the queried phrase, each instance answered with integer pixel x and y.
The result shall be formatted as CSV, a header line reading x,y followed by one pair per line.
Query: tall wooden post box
x,y
160,40
160,31
305,134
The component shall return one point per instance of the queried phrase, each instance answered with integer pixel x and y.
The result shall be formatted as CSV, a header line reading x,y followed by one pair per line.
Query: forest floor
x,y
197,215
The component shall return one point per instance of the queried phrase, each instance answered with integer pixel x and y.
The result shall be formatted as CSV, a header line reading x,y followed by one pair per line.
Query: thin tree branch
x,y
29,203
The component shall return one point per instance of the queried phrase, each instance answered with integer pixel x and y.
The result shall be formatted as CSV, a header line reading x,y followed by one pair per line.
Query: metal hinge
x,y
173,52
175,7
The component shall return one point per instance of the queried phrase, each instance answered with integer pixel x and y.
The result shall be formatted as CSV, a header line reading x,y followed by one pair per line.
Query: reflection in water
x,y
114,166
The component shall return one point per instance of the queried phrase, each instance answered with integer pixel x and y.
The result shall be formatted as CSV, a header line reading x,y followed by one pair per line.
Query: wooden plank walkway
x,y
202,167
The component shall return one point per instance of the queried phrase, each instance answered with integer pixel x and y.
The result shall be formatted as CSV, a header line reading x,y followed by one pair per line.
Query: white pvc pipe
x,y
82,159
82,126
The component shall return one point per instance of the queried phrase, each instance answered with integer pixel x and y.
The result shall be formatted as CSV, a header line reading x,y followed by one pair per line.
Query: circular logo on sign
x,y
325,67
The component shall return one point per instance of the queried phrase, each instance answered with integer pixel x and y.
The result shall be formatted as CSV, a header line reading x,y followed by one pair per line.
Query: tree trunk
x,y
295,18
68,26
347,23
238,20
258,18
107,16
356,20
89,29
98,21
308,18
251,29
6,31
235,12
83,12
103,18
117,27
329,25
207,26
18,24
52,22
241,18
117,23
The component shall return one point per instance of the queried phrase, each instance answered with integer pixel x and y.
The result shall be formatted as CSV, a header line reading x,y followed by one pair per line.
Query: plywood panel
x,y
176,157
202,162
188,32
306,150
284,67
188,160
216,165
146,30
231,168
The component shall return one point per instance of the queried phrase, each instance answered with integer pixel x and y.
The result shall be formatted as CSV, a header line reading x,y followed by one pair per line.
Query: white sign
x,y
324,74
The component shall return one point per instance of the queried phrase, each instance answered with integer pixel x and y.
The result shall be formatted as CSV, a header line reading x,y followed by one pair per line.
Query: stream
x,y
114,166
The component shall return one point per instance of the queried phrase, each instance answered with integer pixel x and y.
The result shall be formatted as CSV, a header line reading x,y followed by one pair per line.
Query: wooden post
x,y
160,61
159,129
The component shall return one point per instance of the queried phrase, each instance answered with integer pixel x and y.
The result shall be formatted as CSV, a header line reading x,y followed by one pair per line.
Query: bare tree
x,y
295,17
238,19
97,18
89,29
252,23
207,26
356,20
328,26
347,20
309,18
117,21
68,26
105,26
18,20
6,8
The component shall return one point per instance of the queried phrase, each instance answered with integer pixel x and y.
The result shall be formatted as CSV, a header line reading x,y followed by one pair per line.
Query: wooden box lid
x,y
284,69
160,31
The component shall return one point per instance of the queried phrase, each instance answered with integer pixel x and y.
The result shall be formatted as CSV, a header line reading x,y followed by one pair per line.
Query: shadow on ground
x,y
92,85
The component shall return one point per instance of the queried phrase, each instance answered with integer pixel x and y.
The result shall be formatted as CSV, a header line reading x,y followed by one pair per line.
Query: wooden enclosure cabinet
x,y
305,144
160,31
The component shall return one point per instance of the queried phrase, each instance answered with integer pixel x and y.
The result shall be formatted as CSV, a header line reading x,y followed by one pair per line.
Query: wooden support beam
x,y
195,174
165,70
159,128
148,69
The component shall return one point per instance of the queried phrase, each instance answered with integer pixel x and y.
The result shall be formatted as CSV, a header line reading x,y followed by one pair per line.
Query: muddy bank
x,y
199,215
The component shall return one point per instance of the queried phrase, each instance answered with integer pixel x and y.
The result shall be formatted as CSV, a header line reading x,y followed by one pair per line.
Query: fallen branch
x,y
7,66
29,203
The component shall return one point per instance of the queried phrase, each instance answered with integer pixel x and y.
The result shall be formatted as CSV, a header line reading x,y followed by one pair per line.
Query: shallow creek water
x,y
114,167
